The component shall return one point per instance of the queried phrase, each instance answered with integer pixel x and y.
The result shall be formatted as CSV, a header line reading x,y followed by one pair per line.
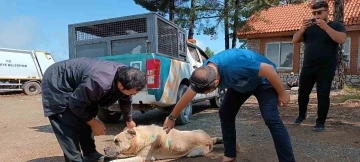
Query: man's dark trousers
x,y
323,76
268,102
73,134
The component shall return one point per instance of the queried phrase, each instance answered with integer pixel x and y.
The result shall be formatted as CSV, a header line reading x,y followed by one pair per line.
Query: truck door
x,y
195,62
204,57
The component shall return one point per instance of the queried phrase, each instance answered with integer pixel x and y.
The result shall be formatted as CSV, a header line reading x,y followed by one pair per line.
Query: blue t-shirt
x,y
239,69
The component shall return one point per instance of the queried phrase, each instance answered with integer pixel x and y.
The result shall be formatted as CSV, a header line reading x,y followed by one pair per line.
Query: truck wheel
x,y
216,101
185,115
32,88
107,116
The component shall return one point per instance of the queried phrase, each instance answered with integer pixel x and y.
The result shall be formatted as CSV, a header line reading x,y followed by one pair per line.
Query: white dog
x,y
149,143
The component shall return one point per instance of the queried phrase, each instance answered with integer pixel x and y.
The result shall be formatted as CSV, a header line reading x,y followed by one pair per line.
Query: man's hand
x,y
168,125
130,124
97,127
322,24
284,99
298,35
306,23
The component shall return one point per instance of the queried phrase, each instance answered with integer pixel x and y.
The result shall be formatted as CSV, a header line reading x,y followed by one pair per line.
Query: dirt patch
x,y
27,136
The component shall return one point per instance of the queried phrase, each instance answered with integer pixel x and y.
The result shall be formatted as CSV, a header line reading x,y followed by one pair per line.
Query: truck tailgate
x,y
133,60
139,61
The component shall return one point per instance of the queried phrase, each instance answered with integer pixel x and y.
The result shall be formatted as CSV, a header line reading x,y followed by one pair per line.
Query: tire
x,y
107,116
32,88
185,115
217,101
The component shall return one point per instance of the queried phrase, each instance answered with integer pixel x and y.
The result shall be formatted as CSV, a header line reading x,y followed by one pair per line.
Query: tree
x,y
340,71
208,52
163,7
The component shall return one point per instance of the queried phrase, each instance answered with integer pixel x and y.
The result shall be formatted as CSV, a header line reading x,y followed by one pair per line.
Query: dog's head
x,y
123,142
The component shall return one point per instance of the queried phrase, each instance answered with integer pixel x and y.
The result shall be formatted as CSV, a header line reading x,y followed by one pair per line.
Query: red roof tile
x,y
289,17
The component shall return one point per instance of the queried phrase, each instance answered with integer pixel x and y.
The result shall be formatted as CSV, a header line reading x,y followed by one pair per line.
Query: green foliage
x,y
209,52
210,15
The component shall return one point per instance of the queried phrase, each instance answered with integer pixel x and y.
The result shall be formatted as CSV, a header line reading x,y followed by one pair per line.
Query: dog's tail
x,y
217,140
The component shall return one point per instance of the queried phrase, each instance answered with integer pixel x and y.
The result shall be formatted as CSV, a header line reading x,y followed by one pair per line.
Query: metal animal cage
x,y
146,32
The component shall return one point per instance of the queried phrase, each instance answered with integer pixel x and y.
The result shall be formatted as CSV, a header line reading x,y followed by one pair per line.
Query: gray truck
x,y
154,45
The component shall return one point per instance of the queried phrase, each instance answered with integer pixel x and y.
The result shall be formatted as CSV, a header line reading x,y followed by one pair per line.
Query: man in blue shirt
x,y
243,73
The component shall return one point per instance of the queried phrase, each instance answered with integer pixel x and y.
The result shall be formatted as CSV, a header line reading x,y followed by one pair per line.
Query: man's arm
x,y
184,100
298,36
126,107
84,95
268,71
337,36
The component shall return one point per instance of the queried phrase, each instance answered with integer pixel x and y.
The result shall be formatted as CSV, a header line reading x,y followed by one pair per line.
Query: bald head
x,y
202,79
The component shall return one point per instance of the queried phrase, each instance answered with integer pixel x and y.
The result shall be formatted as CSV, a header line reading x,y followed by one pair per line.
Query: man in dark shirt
x,y
322,38
72,92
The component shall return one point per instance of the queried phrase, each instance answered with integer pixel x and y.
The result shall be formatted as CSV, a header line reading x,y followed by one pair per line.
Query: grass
x,y
352,93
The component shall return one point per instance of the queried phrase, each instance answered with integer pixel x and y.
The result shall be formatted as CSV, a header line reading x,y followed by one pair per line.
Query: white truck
x,y
22,70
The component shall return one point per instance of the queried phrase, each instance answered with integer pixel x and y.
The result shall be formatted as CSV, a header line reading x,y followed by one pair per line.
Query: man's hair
x,y
320,4
130,78
202,79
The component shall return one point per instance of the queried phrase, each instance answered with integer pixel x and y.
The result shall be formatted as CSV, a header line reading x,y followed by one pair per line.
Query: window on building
x,y
346,48
281,53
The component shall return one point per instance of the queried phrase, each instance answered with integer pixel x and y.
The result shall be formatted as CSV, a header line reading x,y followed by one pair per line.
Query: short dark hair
x,y
320,4
202,79
131,78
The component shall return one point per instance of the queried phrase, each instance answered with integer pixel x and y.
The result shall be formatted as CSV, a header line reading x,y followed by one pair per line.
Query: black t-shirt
x,y
320,48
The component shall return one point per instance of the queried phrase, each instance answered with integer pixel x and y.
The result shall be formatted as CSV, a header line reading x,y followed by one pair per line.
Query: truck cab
x,y
152,44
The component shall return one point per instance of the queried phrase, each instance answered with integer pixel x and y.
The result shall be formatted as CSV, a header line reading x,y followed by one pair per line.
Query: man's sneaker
x,y
298,120
94,157
318,127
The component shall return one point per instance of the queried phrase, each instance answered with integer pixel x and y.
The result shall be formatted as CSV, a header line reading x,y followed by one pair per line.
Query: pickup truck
x,y
152,44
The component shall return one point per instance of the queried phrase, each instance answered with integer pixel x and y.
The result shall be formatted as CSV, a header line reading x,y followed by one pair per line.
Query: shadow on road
x,y
43,128
48,159
11,93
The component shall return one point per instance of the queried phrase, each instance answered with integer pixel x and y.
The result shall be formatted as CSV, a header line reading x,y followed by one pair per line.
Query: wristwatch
x,y
171,117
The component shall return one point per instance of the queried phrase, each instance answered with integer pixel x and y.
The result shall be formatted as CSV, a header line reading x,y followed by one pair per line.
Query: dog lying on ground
x,y
150,143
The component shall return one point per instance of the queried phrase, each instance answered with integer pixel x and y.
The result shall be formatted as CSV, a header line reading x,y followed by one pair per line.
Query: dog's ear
x,y
131,132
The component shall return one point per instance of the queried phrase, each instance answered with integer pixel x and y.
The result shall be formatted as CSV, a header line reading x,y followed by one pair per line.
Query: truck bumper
x,y
143,98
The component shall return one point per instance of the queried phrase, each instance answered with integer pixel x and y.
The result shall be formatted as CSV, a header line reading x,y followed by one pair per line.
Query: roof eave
x,y
284,33
266,35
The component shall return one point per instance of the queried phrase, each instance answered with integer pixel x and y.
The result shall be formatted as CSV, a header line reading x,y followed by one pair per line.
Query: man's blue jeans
x,y
268,99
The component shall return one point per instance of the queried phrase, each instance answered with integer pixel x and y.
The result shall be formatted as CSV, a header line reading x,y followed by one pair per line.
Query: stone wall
x,y
253,44
284,76
353,80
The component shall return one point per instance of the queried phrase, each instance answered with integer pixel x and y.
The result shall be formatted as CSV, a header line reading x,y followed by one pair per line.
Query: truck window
x,y
194,54
128,46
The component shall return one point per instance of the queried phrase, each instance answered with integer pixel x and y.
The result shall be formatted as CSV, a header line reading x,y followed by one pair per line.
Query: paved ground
x,y
25,135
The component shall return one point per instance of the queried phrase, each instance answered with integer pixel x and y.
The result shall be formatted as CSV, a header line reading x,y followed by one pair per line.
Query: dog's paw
x,y
111,151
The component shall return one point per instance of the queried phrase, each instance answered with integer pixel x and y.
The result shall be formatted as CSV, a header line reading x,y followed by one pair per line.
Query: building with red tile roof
x,y
270,33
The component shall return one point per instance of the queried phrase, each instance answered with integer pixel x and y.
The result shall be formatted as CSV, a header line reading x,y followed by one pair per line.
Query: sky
x,y
43,24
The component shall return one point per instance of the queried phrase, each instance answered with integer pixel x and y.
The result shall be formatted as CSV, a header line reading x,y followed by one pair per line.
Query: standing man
x,y
322,38
244,73
72,92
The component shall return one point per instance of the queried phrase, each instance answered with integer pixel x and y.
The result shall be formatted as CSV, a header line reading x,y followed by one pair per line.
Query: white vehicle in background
x,y
22,70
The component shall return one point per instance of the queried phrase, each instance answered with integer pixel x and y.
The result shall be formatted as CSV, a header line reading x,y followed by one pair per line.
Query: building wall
x,y
352,75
